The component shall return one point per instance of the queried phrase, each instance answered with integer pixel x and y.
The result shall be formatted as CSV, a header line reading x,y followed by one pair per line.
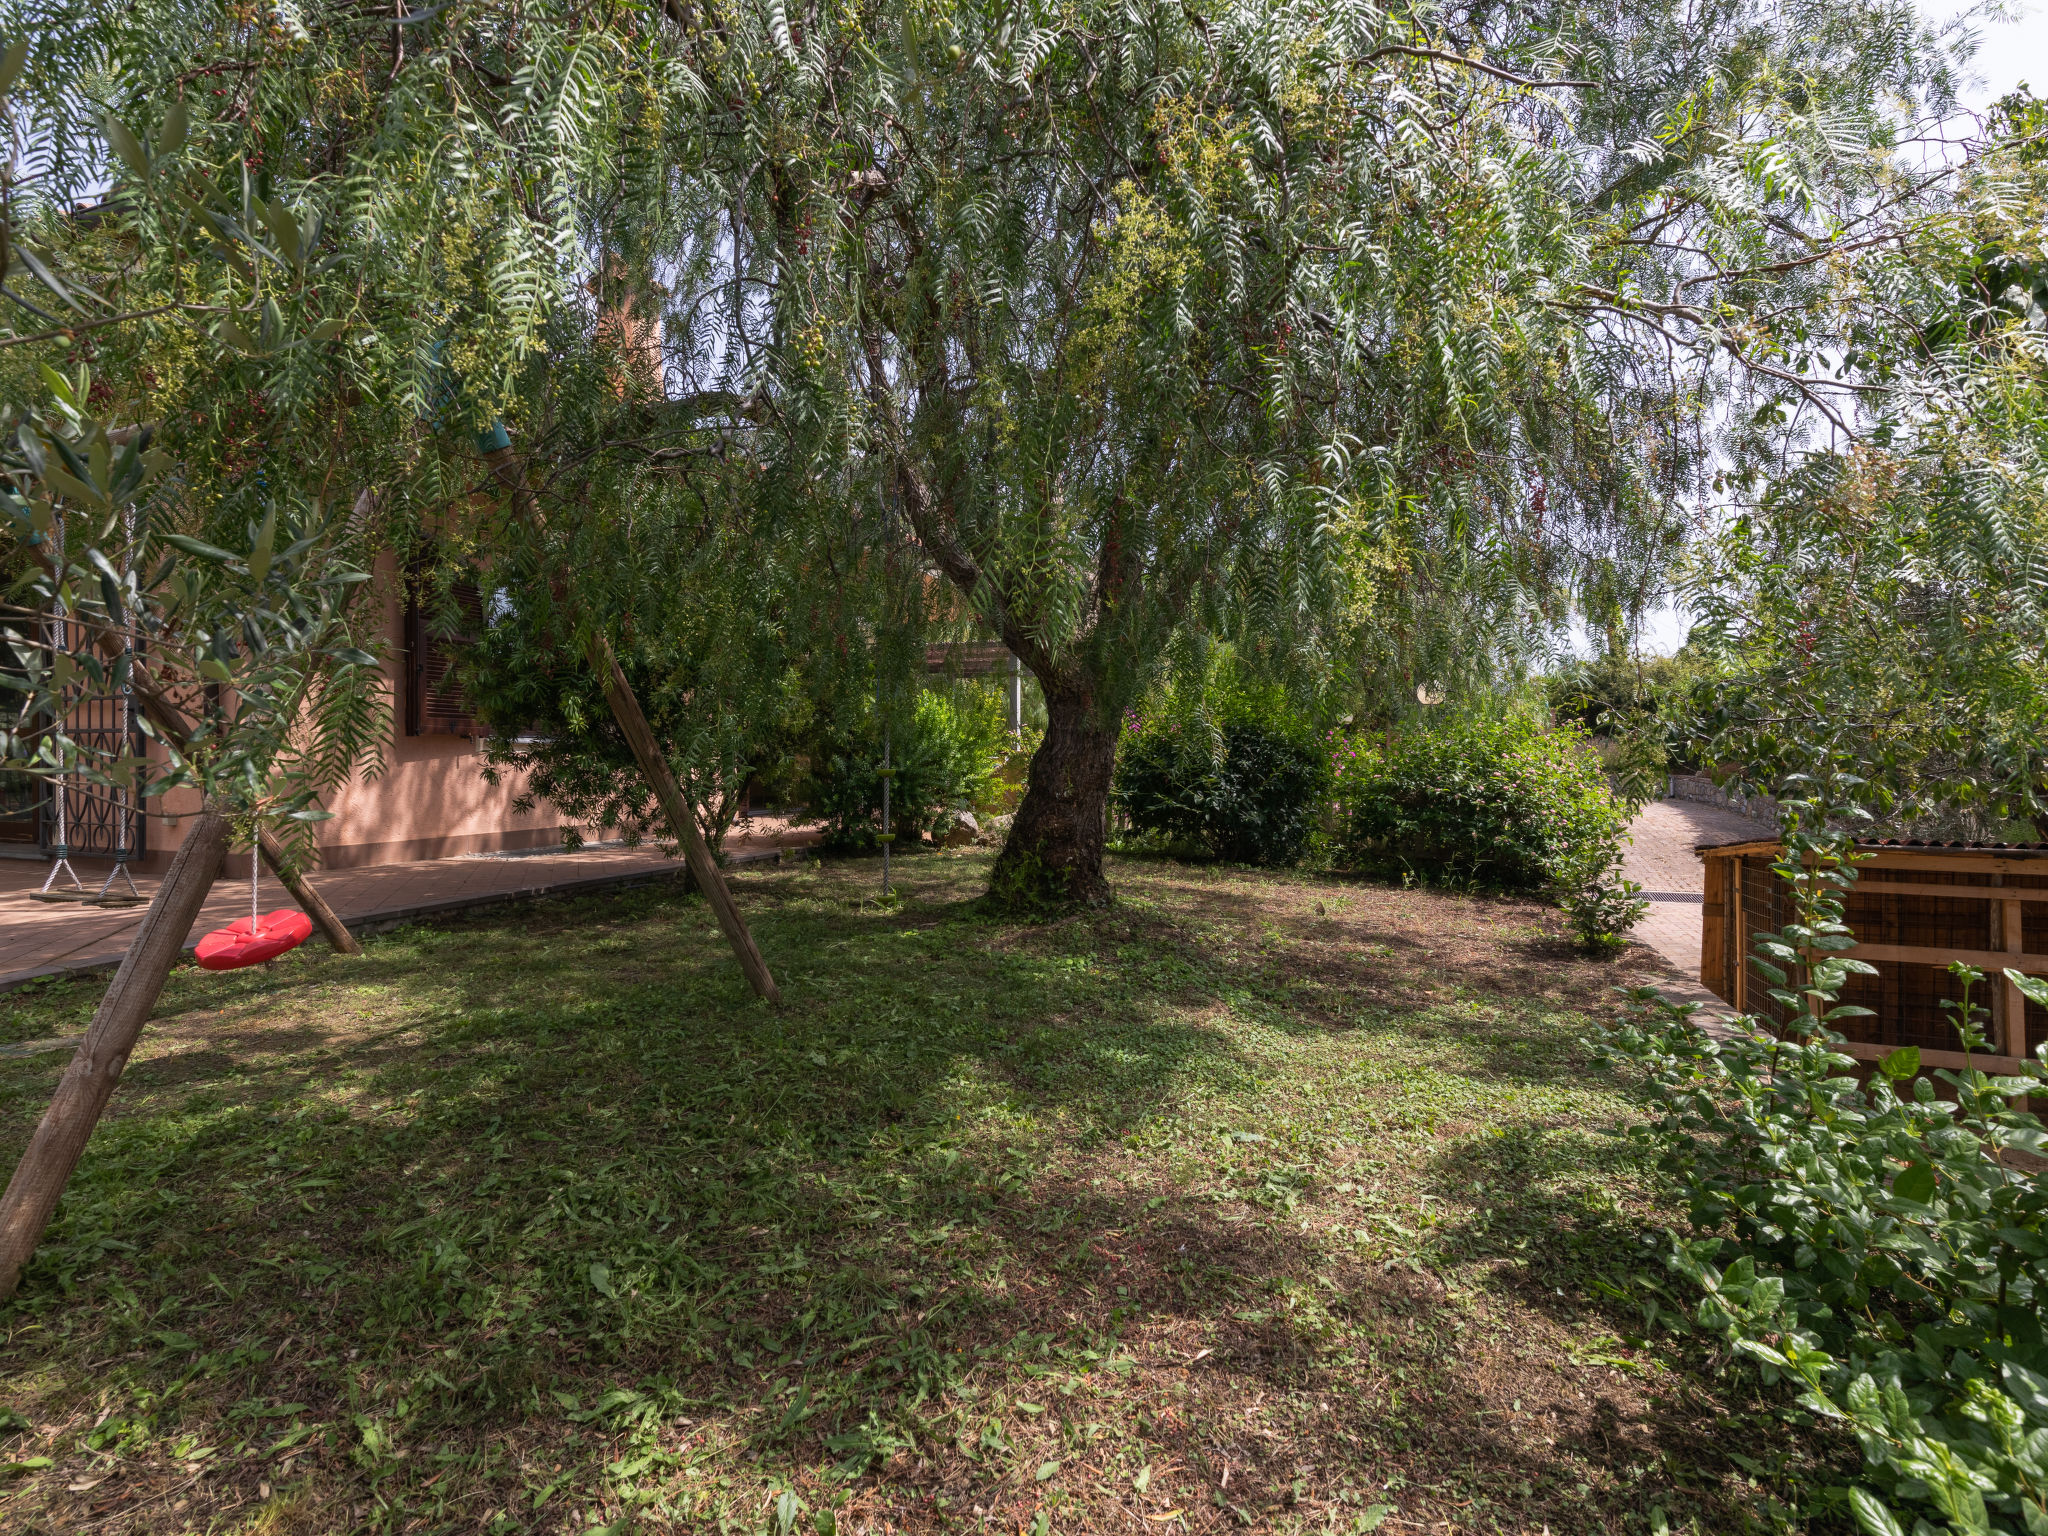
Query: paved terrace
x,y
58,938
1661,860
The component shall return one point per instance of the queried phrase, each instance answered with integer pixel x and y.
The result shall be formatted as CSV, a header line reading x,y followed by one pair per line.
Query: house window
x,y
434,701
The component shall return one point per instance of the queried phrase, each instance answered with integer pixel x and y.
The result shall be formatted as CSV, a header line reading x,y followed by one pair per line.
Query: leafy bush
x,y
945,754
720,688
1873,1245
1245,788
1504,802
1603,910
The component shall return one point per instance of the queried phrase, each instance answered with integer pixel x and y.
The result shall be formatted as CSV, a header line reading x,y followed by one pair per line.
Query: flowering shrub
x,y
1877,1247
1506,803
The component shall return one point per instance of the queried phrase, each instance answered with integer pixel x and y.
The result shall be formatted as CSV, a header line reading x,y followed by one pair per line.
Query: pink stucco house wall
x,y
429,801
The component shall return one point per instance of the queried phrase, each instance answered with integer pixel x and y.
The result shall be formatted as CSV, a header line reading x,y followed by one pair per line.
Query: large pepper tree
x,y
1142,314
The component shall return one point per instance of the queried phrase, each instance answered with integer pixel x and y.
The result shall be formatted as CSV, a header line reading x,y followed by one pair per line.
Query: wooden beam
x,y
1961,892
2004,862
1989,960
171,720
2012,1015
681,818
96,1066
632,720
1714,928
1864,1050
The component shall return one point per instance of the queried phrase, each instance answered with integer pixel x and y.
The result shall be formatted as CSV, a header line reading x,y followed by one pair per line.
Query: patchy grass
x,y
1259,1201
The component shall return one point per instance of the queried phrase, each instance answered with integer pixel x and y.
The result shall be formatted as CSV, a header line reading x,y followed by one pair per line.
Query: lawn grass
x,y
1259,1201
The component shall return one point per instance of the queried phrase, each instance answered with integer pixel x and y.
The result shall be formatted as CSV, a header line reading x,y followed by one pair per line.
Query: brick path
x,y
50,939
1661,860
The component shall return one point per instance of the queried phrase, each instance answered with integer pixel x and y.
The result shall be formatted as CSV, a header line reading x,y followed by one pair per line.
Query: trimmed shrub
x,y
1246,790
1506,803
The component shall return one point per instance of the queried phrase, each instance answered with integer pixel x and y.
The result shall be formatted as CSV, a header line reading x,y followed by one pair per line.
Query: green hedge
x,y
1506,803
945,752
1246,789
1876,1246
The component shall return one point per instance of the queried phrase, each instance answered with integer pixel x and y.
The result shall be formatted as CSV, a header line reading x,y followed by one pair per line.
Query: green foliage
x,y
1297,325
298,236
1865,618
1641,714
1603,909
1233,772
944,753
713,671
1604,695
1156,324
259,635
1500,801
1880,1247
1880,606
178,334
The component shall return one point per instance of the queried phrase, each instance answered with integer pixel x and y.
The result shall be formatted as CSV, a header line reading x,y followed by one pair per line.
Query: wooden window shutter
x,y
434,701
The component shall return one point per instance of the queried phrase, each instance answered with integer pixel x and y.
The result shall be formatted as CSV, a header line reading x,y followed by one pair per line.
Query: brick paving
x,y
1661,860
54,939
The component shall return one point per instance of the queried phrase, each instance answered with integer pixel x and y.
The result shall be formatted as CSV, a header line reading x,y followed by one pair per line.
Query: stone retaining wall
x,y
1761,809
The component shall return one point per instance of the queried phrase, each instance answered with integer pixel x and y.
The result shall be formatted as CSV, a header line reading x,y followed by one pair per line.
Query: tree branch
x,y
1444,57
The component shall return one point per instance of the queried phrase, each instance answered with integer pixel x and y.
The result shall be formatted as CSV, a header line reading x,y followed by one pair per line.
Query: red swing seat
x,y
251,941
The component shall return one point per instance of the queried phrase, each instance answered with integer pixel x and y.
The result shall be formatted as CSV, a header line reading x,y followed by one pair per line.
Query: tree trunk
x,y
82,1094
1053,856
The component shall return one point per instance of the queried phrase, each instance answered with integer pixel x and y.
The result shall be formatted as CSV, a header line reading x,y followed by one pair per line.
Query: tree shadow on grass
x,y
1556,1223
442,1199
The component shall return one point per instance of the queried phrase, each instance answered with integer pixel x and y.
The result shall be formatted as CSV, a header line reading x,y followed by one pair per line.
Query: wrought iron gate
x,y
78,817
100,820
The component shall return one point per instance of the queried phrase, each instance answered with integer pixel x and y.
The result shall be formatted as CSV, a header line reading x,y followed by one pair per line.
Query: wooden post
x,y
82,1094
169,719
2010,1038
310,901
703,868
496,450
1714,929
1739,909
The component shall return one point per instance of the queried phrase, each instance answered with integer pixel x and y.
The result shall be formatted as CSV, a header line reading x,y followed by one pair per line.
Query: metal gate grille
x,y
99,820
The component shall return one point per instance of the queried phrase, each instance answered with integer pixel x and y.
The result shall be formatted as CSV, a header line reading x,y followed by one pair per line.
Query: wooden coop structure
x,y
1915,909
